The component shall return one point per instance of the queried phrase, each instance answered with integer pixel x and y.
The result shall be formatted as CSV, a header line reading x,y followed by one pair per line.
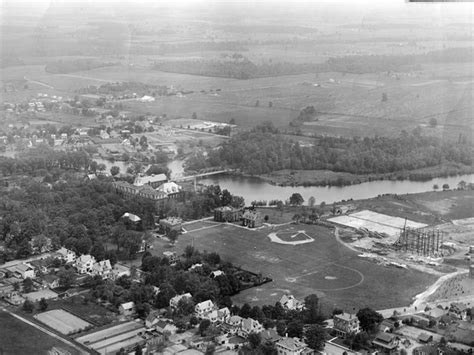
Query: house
x,y
248,326
14,298
50,281
269,335
252,219
459,309
387,343
217,273
127,309
289,302
387,326
22,271
102,269
67,255
84,264
436,313
291,346
171,224
131,217
171,256
203,308
425,338
194,267
427,350
171,189
152,319
152,180
346,324
162,327
232,324
227,214
218,315
175,300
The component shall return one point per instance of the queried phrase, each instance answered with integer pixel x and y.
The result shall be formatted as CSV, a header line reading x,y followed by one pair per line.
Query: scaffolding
x,y
422,241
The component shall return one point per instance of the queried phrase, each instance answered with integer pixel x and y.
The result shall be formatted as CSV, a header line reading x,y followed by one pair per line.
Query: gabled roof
x,y
384,337
142,180
291,344
204,305
248,324
127,305
132,217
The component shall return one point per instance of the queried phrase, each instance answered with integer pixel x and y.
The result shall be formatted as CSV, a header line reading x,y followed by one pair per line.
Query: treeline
x,y
359,64
35,162
128,87
262,150
202,46
73,65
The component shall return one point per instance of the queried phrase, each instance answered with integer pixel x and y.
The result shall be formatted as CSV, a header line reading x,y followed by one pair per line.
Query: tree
x,y
114,170
462,185
270,104
369,319
257,103
43,304
27,285
295,329
315,337
28,306
312,313
435,187
384,97
254,340
296,199
66,278
433,122
173,236
311,201
445,187
203,326
194,116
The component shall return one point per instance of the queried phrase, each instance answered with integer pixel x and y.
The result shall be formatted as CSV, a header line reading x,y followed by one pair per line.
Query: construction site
x,y
421,241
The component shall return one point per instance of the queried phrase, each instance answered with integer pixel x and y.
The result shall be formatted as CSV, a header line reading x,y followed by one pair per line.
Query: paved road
x,y
21,261
80,350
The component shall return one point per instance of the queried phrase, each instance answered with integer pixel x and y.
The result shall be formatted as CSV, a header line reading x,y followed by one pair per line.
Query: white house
x,y
175,300
67,255
127,309
233,324
218,315
84,264
203,308
22,270
289,302
102,268
291,346
216,273
248,326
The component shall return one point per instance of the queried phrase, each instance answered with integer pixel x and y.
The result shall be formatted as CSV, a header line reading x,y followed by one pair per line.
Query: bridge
x,y
203,174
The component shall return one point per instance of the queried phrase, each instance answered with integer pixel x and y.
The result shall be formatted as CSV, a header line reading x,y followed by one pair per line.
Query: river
x,y
252,189
255,189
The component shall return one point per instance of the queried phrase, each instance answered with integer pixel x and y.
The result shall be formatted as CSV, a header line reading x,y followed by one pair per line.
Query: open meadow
x,y
17,337
323,266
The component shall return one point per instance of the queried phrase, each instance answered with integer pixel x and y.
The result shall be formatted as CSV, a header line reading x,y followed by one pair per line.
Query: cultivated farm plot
x,y
324,267
62,321
376,222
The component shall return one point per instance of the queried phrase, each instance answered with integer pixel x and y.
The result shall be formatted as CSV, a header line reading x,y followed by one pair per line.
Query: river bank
x,y
331,178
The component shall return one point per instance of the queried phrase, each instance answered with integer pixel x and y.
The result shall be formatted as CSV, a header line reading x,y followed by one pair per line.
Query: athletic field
x,y
323,266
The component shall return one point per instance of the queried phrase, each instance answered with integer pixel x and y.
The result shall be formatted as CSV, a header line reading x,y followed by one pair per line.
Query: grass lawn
x,y
90,312
324,267
17,337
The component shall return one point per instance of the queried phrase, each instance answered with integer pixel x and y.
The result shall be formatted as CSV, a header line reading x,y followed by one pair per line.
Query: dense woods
x,y
263,150
240,67
73,65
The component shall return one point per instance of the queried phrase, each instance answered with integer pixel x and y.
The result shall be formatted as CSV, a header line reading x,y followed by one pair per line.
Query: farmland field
x,y
324,267
13,333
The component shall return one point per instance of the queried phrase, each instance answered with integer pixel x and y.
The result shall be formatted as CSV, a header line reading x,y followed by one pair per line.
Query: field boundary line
x,y
50,333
